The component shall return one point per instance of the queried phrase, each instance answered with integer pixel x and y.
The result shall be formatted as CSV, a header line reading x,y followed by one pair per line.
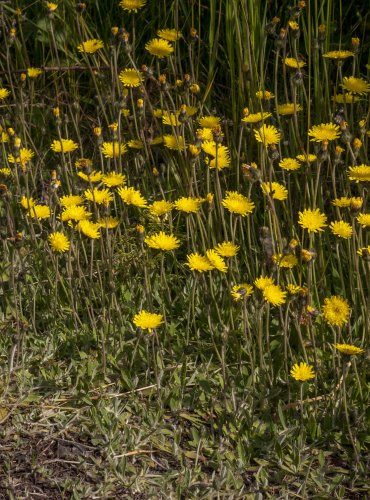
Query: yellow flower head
x,y
113,179
264,95
6,172
39,212
241,291
216,261
147,320
209,121
312,220
132,5
355,85
237,203
302,372
131,78
59,242
336,311
341,229
162,241
342,202
170,119
132,196
263,281
90,46
89,229
171,35
267,134
274,295
113,149
275,190
159,48
345,98
63,146
306,158
197,262
289,164
294,63
286,261
108,222
288,108
338,54
188,204
160,207
256,117
175,142
227,249
99,196
51,6
364,220
94,176
324,132
348,349
71,199
135,144
33,72
75,213
4,93
25,155
361,173
27,203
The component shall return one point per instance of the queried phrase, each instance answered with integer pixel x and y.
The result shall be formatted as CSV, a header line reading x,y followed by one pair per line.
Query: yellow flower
x,y
197,262
312,220
341,229
293,63
274,295
267,134
94,176
355,85
348,349
4,93
90,46
71,199
170,119
25,155
345,98
360,173
264,95
89,229
159,48
160,207
131,196
4,137
286,261
83,163
99,196
293,289
342,202
135,144
5,171
293,25
256,117
241,291
188,204
171,35
132,5
289,164
356,203
175,142
51,6
162,241
147,320
113,179
275,190
302,372
308,158
108,222
209,121
263,281
27,203
324,132
204,134
288,108
364,252
113,149
364,220
75,213
59,242
33,72
336,310
338,54
217,262
63,146
131,78
39,212
227,249
237,203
